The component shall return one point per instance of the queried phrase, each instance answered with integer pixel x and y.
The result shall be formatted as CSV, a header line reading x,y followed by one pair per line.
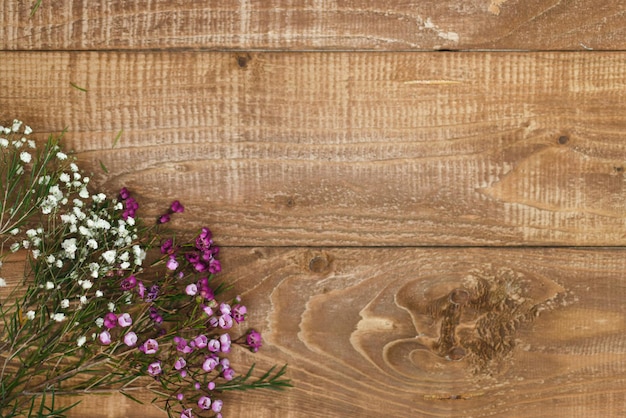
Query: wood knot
x,y
563,139
319,264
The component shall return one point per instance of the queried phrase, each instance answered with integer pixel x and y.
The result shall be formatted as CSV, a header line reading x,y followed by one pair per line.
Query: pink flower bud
x,y
125,320
105,337
130,339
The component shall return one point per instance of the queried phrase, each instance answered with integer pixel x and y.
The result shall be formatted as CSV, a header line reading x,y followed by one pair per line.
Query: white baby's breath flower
x,y
61,156
85,231
30,315
125,265
130,220
69,245
109,256
87,284
27,130
25,157
94,268
84,193
3,283
49,285
65,303
99,293
100,322
83,300
35,254
81,341
65,178
31,233
58,317
31,144
15,246
4,142
139,254
59,263
14,231
50,259
16,125
111,306
92,243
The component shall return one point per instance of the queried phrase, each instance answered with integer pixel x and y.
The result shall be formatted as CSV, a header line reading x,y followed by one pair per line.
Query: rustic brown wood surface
x,y
364,193
348,148
318,25
538,332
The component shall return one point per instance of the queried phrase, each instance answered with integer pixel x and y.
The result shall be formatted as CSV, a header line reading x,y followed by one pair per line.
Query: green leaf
x,y
103,167
117,138
78,87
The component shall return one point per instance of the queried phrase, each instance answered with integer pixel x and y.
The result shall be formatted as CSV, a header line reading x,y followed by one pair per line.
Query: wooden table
x,y
422,202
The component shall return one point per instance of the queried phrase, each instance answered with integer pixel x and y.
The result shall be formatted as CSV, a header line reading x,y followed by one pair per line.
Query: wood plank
x,y
314,25
347,148
531,332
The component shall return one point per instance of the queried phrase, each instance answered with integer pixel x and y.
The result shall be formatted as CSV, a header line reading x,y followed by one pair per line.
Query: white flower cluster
x,y
95,242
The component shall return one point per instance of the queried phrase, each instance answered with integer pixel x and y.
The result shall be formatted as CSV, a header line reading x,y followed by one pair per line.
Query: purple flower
x,y
154,369
213,322
180,363
186,413
151,346
204,402
225,322
141,289
110,320
105,337
239,313
182,346
124,193
215,266
201,341
130,339
129,283
225,343
191,289
225,308
180,396
217,405
153,293
125,320
177,207
196,386
253,339
207,310
210,363
172,264
163,219
210,386
192,257
213,345
167,246
228,374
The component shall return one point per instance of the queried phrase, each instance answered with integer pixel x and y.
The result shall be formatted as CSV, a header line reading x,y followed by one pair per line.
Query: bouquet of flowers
x,y
106,301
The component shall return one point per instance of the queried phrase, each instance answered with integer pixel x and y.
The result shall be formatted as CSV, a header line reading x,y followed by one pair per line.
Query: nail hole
x,y
242,61
563,139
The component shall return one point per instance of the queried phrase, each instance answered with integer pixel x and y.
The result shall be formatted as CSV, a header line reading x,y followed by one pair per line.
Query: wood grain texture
x,y
348,149
314,25
538,332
